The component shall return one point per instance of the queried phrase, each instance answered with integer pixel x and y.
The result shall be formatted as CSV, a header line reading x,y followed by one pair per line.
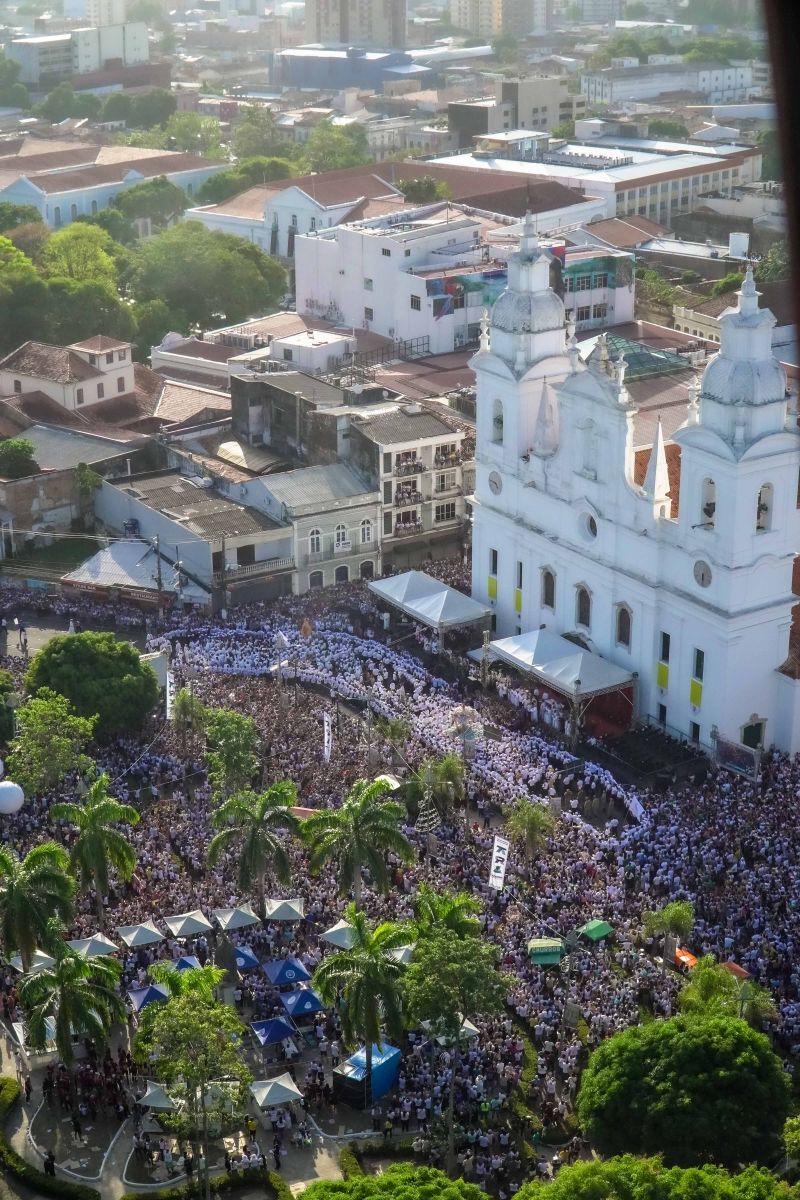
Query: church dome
x,y
735,382
528,312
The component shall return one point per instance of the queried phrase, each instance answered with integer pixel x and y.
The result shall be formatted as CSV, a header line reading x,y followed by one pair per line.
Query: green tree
x,y
675,918
398,1180
63,102
155,199
23,300
367,976
729,283
768,142
254,824
30,239
791,1137
80,252
200,981
76,309
425,190
13,94
246,174
188,717
713,991
358,835
12,215
190,1043
33,891
455,911
438,782
153,320
648,1179
451,980
565,130
80,996
232,758
258,135
99,844
118,106
206,276
112,221
16,458
505,48
695,1090
332,147
152,108
98,675
50,743
87,481
529,825
12,259
194,134
775,265
668,129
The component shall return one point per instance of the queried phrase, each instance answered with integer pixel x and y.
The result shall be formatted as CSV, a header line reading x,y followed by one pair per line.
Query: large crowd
x,y
725,843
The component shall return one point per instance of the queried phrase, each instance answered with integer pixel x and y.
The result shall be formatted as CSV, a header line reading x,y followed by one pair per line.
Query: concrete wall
x,y
114,506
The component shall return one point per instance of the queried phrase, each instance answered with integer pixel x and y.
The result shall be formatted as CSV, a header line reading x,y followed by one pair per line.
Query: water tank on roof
x,y
355,52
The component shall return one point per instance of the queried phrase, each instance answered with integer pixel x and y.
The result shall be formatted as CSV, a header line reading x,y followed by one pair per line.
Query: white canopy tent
x,y
235,918
187,924
280,1090
140,935
94,946
428,601
339,935
39,962
286,910
156,1097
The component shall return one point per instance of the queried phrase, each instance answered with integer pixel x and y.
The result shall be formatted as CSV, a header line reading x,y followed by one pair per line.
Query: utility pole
x,y
159,581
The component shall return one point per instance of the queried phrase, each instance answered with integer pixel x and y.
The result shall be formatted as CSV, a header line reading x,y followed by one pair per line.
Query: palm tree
x,y
188,716
198,981
79,995
712,991
358,835
32,891
254,822
529,824
98,845
367,978
438,783
445,910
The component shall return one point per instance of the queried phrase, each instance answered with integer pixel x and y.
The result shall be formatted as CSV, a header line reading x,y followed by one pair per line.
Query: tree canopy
x,y
81,252
694,1090
12,215
16,458
648,1179
156,200
258,135
425,189
99,675
245,174
399,1180
50,743
332,147
13,94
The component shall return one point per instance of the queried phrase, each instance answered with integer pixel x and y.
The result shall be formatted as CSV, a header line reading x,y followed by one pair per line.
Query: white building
x,y
106,12
79,52
719,84
697,602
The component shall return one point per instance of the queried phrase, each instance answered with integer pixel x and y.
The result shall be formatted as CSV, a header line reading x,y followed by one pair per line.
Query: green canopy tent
x,y
595,931
545,952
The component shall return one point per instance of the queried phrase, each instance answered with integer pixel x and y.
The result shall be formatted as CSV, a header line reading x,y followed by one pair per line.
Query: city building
x,y
326,68
715,82
424,282
677,571
541,102
49,59
480,18
523,18
641,180
106,12
468,119
703,319
378,23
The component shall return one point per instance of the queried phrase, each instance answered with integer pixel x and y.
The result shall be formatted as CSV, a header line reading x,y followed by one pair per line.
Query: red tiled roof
x,y
59,364
100,342
627,232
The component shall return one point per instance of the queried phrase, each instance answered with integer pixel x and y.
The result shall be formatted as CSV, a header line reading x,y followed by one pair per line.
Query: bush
x,y
25,1172
274,1186
349,1164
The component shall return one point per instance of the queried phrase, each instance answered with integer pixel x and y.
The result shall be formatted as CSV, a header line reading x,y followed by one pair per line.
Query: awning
x,y
154,993
281,1090
39,962
735,970
339,935
429,601
301,1003
595,931
402,954
186,924
93,947
545,952
188,962
285,910
235,918
245,959
270,1033
156,1097
140,935
286,971
559,664
683,958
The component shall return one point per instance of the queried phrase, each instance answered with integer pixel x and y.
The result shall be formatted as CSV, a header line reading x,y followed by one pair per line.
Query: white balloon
x,y
12,797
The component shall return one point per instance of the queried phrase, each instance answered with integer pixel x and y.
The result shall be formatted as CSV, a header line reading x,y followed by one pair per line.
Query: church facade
x,y
693,592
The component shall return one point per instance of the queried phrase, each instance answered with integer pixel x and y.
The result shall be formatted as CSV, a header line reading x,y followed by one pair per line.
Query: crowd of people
x,y
725,844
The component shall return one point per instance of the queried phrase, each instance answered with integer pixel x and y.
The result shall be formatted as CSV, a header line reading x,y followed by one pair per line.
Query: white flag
x,y
170,693
497,869
327,736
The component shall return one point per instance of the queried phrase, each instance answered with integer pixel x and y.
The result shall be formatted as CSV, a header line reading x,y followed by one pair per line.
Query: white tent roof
x,y
235,918
285,910
93,947
340,935
185,924
281,1090
560,664
156,1097
39,962
140,935
427,600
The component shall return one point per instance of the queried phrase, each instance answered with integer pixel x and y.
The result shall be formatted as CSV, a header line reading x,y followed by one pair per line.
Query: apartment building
x,y
715,82
378,23
44,61
480,18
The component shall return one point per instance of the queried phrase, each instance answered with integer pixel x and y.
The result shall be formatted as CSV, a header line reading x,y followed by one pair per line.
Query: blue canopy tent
x,y
245,959
301,1003
270,1033
349,1078
188,962
285,972
154,993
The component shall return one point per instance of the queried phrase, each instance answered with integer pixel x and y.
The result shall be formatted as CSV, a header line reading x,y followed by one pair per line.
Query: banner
x,y
170,694
327,736
497,871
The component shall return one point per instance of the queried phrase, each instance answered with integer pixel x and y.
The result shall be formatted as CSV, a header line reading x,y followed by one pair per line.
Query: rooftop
x,y
318,488
58,364
57,449
625,233
406,424
198,509
643,166
126,564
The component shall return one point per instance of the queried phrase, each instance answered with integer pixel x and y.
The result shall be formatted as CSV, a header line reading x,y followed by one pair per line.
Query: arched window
x,y
589,450
315,542
583,608
708,504
764,508
73,212
340,536
548,589
623,625
497,422
57,216
366,532
343,574
315,580
367,569
94,208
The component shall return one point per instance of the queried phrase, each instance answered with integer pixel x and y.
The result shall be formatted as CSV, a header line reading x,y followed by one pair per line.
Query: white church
x,y
696,606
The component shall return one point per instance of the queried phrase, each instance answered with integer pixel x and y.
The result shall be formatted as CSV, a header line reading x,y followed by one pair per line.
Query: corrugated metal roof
x,y
62,449
317,485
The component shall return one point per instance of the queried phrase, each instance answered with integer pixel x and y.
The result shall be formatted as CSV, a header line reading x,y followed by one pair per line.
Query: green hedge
x,y
274,1186
349,1163
25,1172
378,1148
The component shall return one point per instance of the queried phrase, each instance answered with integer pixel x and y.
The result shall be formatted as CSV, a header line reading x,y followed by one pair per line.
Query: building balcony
x,y
409,529
403,499
412,467
448,460
268,567
440,493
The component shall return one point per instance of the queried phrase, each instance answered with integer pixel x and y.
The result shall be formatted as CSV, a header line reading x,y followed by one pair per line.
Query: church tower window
x,y
497,422
583,608
708,504
624,623
764,508
548,589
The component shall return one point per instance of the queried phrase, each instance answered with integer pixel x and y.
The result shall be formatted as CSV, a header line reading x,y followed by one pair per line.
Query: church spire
x,y
545,433
656,481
